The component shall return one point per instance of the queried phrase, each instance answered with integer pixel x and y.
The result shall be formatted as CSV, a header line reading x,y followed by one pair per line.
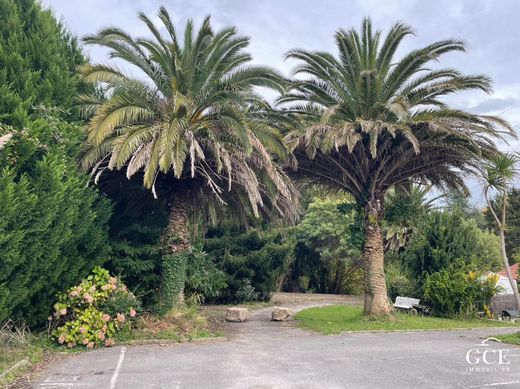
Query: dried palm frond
x,y
369,121
194,116
4,139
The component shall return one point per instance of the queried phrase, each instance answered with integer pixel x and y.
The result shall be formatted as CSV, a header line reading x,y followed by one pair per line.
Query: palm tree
x,y
188,121
499,174
370,122
404,208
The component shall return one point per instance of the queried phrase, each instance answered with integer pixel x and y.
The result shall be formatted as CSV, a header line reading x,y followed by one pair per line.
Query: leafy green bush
x,y
458,291
328,248
53,229
444,237
135,231
247,293
398,283
254,262
193,275
92,312
204,280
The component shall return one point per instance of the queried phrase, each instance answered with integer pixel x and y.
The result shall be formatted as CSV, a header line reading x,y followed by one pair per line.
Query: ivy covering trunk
x,y
177,242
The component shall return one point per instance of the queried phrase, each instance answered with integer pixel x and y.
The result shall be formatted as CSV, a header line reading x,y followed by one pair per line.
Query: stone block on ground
x,y
237,314
281,314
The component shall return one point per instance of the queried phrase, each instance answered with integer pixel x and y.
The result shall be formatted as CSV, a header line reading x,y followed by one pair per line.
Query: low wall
x,y
502,302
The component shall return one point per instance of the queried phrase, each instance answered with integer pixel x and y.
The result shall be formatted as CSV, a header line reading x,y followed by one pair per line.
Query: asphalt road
x,y
261,354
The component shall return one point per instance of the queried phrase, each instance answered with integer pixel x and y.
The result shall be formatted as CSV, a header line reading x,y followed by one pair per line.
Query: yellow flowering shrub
x,y
457,291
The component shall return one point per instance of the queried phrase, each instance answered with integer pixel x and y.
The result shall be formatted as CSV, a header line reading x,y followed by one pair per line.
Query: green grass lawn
x,y
335,319
510,338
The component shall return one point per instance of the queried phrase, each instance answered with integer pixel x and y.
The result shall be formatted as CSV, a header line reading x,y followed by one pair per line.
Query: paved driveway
x,y
261,354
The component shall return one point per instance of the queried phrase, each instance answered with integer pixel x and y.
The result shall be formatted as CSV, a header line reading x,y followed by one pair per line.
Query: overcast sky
x,y
491,30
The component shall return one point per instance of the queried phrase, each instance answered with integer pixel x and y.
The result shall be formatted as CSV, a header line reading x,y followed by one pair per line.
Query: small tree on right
x,y
498,175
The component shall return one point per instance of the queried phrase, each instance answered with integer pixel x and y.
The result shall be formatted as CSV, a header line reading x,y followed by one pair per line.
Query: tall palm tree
x,y
499,174
188,120
371,122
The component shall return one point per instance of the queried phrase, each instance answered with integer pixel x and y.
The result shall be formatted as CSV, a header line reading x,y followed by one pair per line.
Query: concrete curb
x,y
427,330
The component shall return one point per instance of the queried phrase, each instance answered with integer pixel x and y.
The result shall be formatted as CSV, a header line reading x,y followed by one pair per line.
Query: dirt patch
x,y
260,324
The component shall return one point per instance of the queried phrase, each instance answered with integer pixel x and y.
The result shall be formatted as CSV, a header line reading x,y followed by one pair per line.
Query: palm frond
x,y
194,117
368,122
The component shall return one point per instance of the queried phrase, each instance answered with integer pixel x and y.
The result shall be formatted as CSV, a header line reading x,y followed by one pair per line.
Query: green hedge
x,y
52,233
253,262
38,61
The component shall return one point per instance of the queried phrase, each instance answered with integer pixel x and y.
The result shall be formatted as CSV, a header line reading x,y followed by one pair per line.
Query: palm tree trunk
x,y
177,237
376,297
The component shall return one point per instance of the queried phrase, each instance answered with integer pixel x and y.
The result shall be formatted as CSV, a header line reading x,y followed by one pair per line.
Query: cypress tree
x,y
53,228
38,60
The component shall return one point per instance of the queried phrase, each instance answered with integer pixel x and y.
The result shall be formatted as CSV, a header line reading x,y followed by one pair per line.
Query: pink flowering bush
x,y
91,313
